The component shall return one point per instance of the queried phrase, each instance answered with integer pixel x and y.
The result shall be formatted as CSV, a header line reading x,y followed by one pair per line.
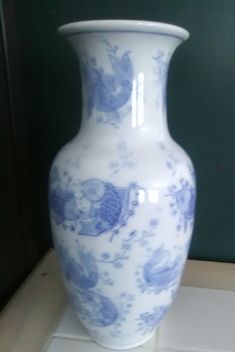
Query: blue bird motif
x,y
92,207
108,206
83,272
95,309
160,272
107,92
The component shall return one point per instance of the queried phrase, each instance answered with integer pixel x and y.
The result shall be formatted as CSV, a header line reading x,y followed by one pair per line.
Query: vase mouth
x,y
123,26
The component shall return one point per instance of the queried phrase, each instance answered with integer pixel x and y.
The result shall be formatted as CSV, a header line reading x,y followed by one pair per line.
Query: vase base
x,y
125,346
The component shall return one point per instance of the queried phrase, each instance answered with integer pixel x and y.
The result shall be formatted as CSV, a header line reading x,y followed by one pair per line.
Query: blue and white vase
x,y
122,192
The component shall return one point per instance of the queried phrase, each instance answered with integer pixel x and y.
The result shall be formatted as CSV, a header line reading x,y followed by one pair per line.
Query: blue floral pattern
x,y
95,309
161,61
172,163
142,237
98,310
83,276
82,273
125,159
148,321
182,203
134,237
108,207
116,260
160,272
92,207
108,92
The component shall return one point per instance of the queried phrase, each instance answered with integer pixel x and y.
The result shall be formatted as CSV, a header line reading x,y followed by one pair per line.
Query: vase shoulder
x,y
148,163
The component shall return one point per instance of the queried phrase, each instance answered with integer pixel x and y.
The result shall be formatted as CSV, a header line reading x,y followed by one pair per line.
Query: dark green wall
x,y
201,98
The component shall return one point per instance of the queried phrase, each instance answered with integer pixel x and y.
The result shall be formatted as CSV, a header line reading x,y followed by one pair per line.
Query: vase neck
x,y
124,79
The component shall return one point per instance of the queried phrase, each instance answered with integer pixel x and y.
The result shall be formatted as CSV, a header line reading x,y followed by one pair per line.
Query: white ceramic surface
x,y
122,192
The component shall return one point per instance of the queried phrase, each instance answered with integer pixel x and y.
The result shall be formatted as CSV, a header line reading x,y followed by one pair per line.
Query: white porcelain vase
x,y
122,192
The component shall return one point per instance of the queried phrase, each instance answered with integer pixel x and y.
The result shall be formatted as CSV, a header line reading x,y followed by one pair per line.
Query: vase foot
x,y
125,346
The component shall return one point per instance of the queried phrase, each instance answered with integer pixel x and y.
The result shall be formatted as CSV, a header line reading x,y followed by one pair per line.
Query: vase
x,y
122,192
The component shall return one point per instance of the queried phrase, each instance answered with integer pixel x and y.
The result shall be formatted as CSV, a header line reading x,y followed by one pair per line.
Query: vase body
x,y
122,192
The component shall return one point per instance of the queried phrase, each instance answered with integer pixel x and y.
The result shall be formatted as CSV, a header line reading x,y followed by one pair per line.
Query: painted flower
x,y
183,203
154,222
105,256
63,205
148,321
126,246
185,200
96,309
93,189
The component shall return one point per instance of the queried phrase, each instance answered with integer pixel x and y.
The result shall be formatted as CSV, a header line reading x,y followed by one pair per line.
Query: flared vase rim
x,y
124,26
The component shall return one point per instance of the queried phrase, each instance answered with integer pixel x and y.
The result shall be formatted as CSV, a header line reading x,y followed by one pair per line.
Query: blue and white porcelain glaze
x,y
122,192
